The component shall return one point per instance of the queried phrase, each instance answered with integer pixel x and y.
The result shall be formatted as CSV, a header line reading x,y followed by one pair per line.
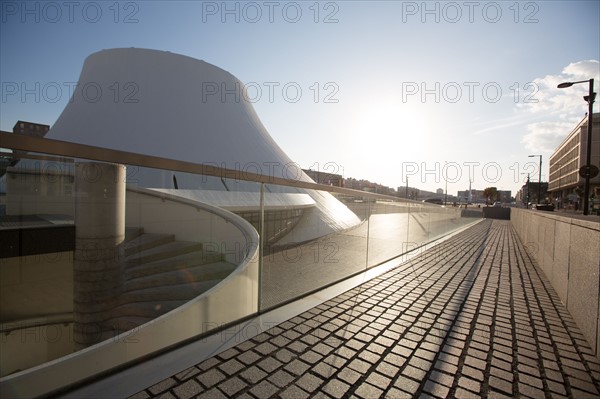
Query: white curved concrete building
x,y
173,106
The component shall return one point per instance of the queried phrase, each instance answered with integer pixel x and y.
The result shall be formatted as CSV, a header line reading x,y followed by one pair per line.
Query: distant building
x,y
329,179
27,129
504,195
30,129
565,184
529,193
439,191
475,195
478,197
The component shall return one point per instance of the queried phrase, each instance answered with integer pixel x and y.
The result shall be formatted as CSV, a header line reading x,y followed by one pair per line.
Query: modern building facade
x,y
565,184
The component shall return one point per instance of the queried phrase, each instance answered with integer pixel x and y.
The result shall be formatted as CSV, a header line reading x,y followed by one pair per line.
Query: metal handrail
x,y
64,148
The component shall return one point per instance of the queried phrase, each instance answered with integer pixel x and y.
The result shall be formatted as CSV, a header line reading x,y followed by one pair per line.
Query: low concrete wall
x,y
490,212
568,252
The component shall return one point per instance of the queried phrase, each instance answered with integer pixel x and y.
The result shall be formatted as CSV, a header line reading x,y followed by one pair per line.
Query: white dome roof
x,y
168,105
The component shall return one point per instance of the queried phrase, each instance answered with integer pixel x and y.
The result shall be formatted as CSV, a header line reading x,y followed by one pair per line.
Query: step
x,y
146,241
133,232
183,292
190,275
165,251
177,262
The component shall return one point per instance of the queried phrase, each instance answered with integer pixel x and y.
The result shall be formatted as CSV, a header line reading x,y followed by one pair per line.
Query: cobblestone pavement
x,y
471,317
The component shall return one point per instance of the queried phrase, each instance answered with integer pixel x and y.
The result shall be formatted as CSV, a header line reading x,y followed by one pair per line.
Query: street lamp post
x,y
528,191
539,178
590,100
446,190
527,198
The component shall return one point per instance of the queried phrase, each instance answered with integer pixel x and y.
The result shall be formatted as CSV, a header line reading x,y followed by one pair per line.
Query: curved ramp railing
x,y
233,298
390,228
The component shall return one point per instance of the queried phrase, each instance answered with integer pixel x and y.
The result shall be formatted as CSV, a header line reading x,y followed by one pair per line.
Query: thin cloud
x,y
567,105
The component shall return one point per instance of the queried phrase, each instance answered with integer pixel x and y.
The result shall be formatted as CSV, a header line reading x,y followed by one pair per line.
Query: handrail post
x,y
261,242
99,251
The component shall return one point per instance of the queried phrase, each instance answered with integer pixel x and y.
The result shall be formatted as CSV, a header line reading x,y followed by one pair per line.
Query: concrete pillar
x,y
99,235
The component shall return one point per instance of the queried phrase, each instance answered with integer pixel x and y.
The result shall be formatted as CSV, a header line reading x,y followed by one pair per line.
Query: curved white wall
x,y
175,107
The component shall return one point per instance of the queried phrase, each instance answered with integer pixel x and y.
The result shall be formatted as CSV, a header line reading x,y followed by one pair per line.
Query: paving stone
x,y
246,346
556,388
387,369
269,364
212,394
359,365
189,389
475,362
369,357
368,391
448,368
583,385
335,360
501,364
336,388
469,384
296,367
345,352
355,344
348,375
324,370
499,395
420,363
264,389
231,367
501,385
311,357
229,353
435,389
248,357
395,393
378,380
162,386
297,347
281,378
472,373
309,382
462,394
253,375
529,380
294,392
414,373
208,364
442,378
284,355
532,392
280,341
406,384
232,386
265,348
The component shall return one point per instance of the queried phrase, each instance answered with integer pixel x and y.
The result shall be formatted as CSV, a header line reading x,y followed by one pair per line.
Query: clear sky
x,y
379,90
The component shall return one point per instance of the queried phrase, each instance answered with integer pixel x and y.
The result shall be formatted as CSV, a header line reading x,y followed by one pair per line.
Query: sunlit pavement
x,y
472,317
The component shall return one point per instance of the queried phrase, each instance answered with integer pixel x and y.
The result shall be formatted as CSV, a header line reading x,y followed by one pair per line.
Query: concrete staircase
x,y
161,274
